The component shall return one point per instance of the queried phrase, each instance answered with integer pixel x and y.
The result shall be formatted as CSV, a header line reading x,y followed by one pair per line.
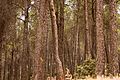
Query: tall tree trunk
x,y
40,42
100,66
93,31
60,75
5,19
61,33
87,29
12,33
114,66
25,54
2,26
77,30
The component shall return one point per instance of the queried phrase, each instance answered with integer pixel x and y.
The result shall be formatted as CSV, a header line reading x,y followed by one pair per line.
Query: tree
x,y
61,32
2,22
60,75
40,40
77,32
2,31
87,31
7,20
25,53
113,55
100,66
93,31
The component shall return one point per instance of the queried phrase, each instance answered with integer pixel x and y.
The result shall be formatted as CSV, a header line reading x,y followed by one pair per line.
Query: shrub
x,y
87,68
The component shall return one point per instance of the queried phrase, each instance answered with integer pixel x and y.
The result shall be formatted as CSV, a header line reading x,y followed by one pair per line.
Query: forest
x,y
59,39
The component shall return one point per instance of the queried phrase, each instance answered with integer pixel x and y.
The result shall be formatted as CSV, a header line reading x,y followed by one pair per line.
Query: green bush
x,y
86,69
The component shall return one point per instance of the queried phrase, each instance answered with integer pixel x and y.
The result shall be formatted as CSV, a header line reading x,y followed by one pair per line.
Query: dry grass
x,y
115,78
99,78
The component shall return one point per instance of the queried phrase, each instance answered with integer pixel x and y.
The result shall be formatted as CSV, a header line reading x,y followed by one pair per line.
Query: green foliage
x,y
86,69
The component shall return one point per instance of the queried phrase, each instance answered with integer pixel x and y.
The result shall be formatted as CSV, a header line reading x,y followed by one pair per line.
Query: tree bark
x,y
61,33
100,66
25,54
40,43
59,68
114,66
93,31
2,27
87,31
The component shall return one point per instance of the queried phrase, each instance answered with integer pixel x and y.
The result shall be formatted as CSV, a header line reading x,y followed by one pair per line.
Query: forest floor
x,y
105,78
100,79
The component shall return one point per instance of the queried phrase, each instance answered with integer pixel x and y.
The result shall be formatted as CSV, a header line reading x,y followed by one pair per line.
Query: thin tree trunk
x,y
25,54
61,33
2,26
87,33
93,49
77,27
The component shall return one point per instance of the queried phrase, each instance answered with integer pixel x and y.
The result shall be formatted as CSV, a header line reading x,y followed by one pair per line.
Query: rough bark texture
x,y
93,31
100,66
114,66
61,32
87,35
25,54
2,27
40,41
77,32
1,35
59,67
6,17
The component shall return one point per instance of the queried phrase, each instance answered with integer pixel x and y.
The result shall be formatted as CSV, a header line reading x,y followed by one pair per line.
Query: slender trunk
x,y
61,33
87,35
76,38
93,50
1,36
25,54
